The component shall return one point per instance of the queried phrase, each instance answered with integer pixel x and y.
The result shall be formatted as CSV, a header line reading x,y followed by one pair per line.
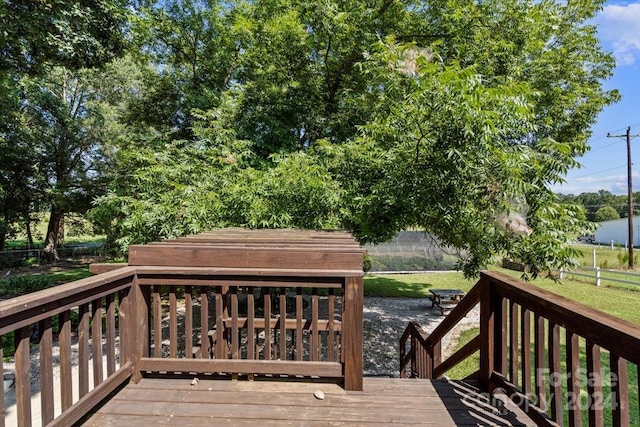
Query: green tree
x,y
606,213
66,120
450,116
37,34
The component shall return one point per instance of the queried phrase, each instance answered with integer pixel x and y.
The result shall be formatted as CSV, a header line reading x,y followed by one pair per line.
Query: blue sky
x,y
605,166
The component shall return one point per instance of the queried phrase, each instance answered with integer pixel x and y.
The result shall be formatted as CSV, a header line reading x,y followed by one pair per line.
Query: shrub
x,y
19,285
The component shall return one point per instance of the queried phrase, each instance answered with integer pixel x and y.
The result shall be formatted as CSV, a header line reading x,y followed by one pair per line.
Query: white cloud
x,y
619,27
617,184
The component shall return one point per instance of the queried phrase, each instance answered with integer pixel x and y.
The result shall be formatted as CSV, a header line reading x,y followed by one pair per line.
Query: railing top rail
x,y
603,329
253,272
30,308
414,329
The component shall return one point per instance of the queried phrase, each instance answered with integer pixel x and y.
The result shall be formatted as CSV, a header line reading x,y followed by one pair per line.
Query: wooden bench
x,y
445,299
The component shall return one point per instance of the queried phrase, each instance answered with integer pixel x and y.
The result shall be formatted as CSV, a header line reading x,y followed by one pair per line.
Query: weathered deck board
x,y
383,401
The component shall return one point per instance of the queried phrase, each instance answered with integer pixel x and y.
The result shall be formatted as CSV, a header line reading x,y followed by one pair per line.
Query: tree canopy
x,y
453,117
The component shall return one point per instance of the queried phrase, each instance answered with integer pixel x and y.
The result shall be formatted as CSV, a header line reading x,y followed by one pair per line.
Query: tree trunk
x,y
29,233
4,224
56,220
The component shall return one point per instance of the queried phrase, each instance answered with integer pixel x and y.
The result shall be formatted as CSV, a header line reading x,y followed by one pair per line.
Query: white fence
x,y
599,274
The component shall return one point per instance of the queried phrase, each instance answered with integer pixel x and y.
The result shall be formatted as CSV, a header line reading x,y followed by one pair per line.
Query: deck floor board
x,y
384,401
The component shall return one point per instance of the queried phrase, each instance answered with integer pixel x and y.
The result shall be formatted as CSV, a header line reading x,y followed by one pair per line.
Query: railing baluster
x,y
502,309
64,341
619,391
157,322
267,326
594,385
111,334
96,340
122,326
555,382
314,325
487,333
525,350
46,370
513,342
220,348
251,331
83,350
283,324
234,322
204,325
173,322
22,378
331,354
2,422
188,323
573,379
538,350
299,334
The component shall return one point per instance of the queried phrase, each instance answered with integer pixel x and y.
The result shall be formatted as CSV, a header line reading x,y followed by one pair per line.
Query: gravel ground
x,y
385,320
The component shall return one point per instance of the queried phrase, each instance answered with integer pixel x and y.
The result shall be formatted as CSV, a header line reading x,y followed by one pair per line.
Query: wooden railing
x,y
150,320
546,352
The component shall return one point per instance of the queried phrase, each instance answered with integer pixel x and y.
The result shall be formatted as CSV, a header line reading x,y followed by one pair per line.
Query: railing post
x,y
352,295
487,332
598,276
137,325
435,358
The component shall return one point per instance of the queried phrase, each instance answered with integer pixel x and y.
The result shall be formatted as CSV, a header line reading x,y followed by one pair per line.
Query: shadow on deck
x,y
239,403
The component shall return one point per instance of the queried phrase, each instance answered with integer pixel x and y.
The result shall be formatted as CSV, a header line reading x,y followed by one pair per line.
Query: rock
x,y
318,394
9,379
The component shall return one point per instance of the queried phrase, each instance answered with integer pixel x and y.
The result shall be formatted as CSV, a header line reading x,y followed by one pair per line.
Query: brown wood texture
x,y
96,340
487,332
594,385
100,267
188,321
327,258
157,321
31,308
501,336
555,375
83,350
251,331
603,329
537,415
46,371
173,322
525,350
2,403
539,360
22,377
619,391
299,336
573,379
97,395
384,401
276,367
352,332
110,326
66,380
513,342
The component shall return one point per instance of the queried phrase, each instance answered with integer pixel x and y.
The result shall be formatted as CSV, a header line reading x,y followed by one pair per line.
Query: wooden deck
x,y
239,403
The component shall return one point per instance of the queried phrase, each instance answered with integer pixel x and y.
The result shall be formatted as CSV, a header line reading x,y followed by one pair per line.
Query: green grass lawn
x,y
414,285
605,256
